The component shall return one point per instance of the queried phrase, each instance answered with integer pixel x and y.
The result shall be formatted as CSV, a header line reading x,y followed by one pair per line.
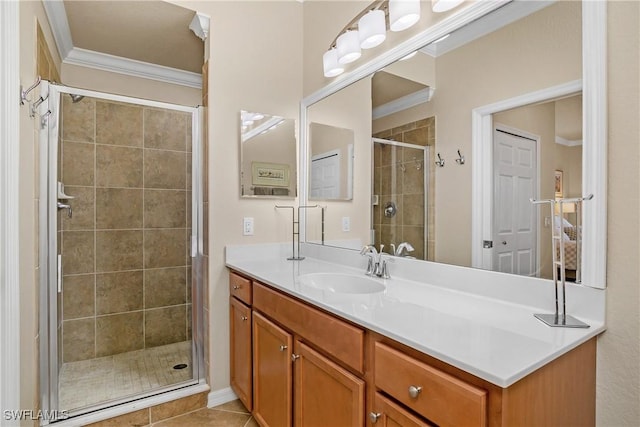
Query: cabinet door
x,y
386,413
272,379
240,331
325,394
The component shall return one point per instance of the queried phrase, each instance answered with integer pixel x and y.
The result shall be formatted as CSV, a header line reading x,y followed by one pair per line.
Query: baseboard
x,y
219,397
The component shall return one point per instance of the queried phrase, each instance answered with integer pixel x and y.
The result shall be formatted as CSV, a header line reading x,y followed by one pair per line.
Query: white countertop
x,y
497,340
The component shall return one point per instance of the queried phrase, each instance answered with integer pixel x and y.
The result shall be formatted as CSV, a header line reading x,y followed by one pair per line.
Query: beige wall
x,y
120,84
618,375
347,109
256,58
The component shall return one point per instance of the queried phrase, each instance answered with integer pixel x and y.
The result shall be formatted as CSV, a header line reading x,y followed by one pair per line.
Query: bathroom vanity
x,y
311,344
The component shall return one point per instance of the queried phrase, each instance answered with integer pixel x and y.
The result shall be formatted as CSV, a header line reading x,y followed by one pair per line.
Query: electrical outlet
x,y
346,223
247,226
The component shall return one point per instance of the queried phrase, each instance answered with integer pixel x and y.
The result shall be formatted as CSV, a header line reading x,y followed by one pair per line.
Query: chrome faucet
x,y
403,249
377,267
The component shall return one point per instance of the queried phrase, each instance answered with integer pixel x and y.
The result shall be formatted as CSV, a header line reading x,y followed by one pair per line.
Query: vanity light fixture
x,y
372,29
330,62
348,47
367,30
403,14
444,5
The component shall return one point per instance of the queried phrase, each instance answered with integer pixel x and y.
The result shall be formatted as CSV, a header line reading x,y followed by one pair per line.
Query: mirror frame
x,y
594,116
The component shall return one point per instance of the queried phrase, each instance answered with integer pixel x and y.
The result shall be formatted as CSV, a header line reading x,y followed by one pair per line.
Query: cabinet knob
x,y
236,287
373,416
244,318
283,347
295,357
414,390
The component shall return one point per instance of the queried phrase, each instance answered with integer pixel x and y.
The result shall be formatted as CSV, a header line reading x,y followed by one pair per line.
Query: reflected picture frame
x,y
270,174
559,186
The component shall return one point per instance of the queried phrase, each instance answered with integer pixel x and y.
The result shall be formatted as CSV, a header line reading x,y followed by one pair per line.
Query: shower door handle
x,y
59,273
66,206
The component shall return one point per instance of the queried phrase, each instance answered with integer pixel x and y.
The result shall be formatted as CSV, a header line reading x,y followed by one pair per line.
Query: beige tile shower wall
x,y
405,187
125,260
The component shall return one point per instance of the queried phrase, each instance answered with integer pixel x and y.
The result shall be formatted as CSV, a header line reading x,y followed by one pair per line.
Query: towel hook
x,y
460,159
25,92
440,161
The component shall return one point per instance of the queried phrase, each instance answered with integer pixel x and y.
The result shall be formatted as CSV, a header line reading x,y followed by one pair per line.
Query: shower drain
x,y
180,366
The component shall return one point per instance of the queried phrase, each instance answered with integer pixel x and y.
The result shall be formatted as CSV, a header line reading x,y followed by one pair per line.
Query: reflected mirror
x,y
267,156
417,157
331,162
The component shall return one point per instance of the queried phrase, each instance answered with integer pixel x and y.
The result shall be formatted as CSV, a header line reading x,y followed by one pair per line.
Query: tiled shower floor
x,y
93,381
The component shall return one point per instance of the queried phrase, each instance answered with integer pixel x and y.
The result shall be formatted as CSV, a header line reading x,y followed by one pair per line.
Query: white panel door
x,y
515,230
325,176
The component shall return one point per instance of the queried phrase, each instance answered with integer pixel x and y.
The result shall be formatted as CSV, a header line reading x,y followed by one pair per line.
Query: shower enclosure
x,y
120,230
401,197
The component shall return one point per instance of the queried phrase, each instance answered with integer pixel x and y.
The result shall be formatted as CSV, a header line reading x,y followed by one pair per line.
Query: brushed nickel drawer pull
x,y
244,318
373,416
414,391
283,347
236,287
295,357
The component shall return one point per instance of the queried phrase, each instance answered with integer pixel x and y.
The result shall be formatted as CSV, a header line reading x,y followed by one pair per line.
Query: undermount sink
x,y
342,283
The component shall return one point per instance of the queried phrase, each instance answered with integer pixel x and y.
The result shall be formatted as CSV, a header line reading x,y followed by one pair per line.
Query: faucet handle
x,y
384,271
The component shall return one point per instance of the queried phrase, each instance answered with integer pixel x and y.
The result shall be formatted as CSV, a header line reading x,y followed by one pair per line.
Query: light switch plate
x,y
247,226
346,223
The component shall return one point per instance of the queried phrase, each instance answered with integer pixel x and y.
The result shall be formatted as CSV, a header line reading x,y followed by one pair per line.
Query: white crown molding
x,y
568,143
57,16
200,25
403,103
131,67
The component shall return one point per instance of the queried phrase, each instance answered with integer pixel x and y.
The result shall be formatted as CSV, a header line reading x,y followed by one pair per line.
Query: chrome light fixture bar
x,y
368,29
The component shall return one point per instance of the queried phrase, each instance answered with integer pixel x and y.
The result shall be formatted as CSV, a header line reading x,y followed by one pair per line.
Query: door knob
x,y
504,242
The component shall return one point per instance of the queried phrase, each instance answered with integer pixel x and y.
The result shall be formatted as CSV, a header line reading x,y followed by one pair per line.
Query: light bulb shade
x,y
348,47
330,63
372,29
444,5
403,14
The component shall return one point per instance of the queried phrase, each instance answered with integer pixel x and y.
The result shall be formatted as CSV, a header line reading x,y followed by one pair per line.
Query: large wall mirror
x,y
267,155
494,108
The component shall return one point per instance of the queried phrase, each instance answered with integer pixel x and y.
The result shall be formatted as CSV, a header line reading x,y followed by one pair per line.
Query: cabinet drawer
x,y
240,287
442,398
387,413
335,337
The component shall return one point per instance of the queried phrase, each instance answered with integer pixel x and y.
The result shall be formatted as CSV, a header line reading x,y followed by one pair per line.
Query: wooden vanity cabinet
x,y
325,394
306,367
272,369
240,344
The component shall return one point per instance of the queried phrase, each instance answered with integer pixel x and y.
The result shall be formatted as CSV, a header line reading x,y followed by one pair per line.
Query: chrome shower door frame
x,y
49,319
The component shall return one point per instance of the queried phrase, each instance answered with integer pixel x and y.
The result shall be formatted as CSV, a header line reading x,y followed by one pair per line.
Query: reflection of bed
x,y
569,238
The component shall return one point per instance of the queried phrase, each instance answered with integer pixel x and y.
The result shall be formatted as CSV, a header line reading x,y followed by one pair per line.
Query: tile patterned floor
x,y
88,382
232,414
